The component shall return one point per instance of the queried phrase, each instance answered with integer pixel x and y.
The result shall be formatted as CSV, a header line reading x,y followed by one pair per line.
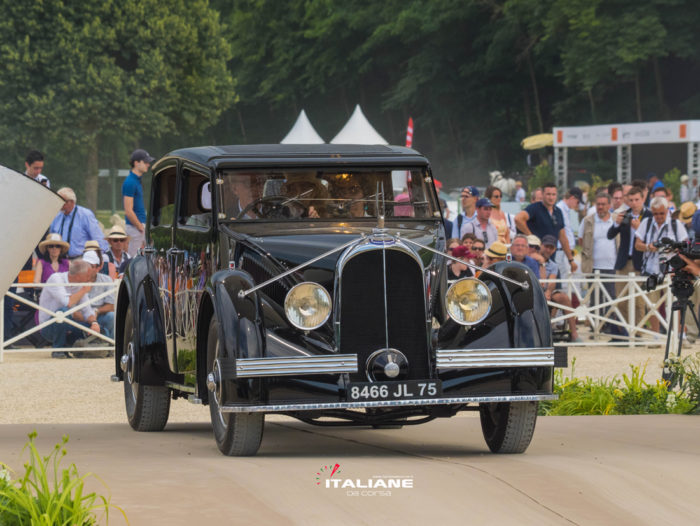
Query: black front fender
x,y
241,332
139,290
519,317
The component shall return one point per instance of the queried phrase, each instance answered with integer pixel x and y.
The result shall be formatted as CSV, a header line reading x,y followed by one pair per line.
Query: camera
x,y
627,218
682,282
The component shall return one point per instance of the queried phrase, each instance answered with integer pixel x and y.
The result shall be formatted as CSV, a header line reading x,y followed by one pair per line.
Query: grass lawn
x,y
104,215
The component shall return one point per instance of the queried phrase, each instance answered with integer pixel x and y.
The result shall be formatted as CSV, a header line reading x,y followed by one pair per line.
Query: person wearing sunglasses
x,y
478,248
118,243
53,253
503,221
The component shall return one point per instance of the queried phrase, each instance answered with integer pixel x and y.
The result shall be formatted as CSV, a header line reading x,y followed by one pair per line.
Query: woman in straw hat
x,y
53,251
495,253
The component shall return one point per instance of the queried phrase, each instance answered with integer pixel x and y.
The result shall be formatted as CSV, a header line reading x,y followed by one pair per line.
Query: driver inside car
x,y
307,195
247,188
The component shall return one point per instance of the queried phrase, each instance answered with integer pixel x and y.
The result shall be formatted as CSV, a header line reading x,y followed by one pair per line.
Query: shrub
x,y
630,396
47,495
685,376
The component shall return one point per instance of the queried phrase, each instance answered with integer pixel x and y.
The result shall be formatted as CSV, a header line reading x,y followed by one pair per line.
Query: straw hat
x,y
533,241
91,245
496,250
117,232
687,210
54,239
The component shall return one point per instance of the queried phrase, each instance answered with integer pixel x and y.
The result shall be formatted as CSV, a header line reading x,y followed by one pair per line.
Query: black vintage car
x,y
310,281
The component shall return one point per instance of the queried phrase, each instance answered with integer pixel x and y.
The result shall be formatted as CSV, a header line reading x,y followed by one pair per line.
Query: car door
x,y
191,259
161,224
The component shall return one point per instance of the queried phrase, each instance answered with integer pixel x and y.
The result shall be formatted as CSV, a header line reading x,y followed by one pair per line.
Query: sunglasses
x,y
117,240
534,246
496,196
477,249
54,246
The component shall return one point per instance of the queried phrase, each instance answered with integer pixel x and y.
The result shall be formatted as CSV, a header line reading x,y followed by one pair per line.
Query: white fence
x,y
54,317
597,308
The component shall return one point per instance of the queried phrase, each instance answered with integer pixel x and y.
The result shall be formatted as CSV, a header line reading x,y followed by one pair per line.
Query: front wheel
x,y
147,406
236,434
508,426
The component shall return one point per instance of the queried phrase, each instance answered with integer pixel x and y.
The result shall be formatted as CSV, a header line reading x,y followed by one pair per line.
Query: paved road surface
x,y
579,470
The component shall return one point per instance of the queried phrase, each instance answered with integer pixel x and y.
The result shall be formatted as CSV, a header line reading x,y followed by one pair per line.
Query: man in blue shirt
x,y
519,249
132,195
545,219
76,224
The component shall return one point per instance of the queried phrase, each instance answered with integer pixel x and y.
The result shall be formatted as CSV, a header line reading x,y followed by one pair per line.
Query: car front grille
x,y
363,314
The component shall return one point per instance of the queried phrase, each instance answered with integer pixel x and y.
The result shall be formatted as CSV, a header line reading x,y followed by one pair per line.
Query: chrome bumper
x,y
276,408
472,358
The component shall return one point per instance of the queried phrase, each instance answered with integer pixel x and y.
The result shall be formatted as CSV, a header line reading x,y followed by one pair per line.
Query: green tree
x,y
107,72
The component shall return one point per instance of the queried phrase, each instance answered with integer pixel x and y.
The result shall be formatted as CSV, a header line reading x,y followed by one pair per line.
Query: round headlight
x,y
468,301
307,306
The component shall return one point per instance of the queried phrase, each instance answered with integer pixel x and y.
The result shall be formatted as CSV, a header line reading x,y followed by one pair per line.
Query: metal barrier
x,y
598,308
54,317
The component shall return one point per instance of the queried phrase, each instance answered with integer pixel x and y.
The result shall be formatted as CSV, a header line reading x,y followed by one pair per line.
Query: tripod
x,y
682,289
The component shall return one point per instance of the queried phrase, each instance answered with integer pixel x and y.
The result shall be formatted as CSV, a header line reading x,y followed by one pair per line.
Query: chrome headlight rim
x,y
287,306
489,299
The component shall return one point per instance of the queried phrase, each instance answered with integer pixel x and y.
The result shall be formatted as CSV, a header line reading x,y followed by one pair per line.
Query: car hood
x,y
294,246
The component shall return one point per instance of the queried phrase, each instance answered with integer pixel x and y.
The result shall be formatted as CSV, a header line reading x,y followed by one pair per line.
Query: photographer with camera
x,y
651,231
629,259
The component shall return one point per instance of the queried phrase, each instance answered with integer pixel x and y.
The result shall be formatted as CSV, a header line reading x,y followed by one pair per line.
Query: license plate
x,y
404,390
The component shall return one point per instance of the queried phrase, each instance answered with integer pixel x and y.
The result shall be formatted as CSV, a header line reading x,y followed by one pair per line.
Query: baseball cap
x,y
484,201
549,240
460,252
91,257
657,185
141,155
473,190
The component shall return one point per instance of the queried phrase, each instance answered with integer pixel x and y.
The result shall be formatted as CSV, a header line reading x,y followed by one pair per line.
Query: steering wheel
x,y
274,207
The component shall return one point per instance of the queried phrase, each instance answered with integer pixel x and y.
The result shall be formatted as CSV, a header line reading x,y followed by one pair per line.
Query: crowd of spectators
x,y
617,235
75,253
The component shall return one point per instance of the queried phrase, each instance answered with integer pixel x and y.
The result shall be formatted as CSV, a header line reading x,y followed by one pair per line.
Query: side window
x,y
195,204
163,198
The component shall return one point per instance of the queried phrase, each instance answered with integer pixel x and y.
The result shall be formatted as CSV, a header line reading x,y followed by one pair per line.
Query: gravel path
x,y
37,389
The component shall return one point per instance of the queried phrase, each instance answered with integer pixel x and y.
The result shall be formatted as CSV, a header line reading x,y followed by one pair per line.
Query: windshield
x,y
325,194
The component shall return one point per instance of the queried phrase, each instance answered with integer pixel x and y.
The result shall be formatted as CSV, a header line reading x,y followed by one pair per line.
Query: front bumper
x,y
272,408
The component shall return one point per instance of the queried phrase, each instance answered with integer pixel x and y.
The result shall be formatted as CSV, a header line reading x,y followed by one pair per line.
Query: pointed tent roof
x,y
302,132
358,130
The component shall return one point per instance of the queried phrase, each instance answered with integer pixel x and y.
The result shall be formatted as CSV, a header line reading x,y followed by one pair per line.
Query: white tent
x,y
358,130
302,132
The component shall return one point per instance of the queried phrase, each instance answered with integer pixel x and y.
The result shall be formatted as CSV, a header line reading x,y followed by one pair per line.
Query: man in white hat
x,y
62,297
118,243
102,306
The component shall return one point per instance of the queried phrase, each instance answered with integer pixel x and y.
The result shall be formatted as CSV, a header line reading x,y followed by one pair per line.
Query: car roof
x,y
296,154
